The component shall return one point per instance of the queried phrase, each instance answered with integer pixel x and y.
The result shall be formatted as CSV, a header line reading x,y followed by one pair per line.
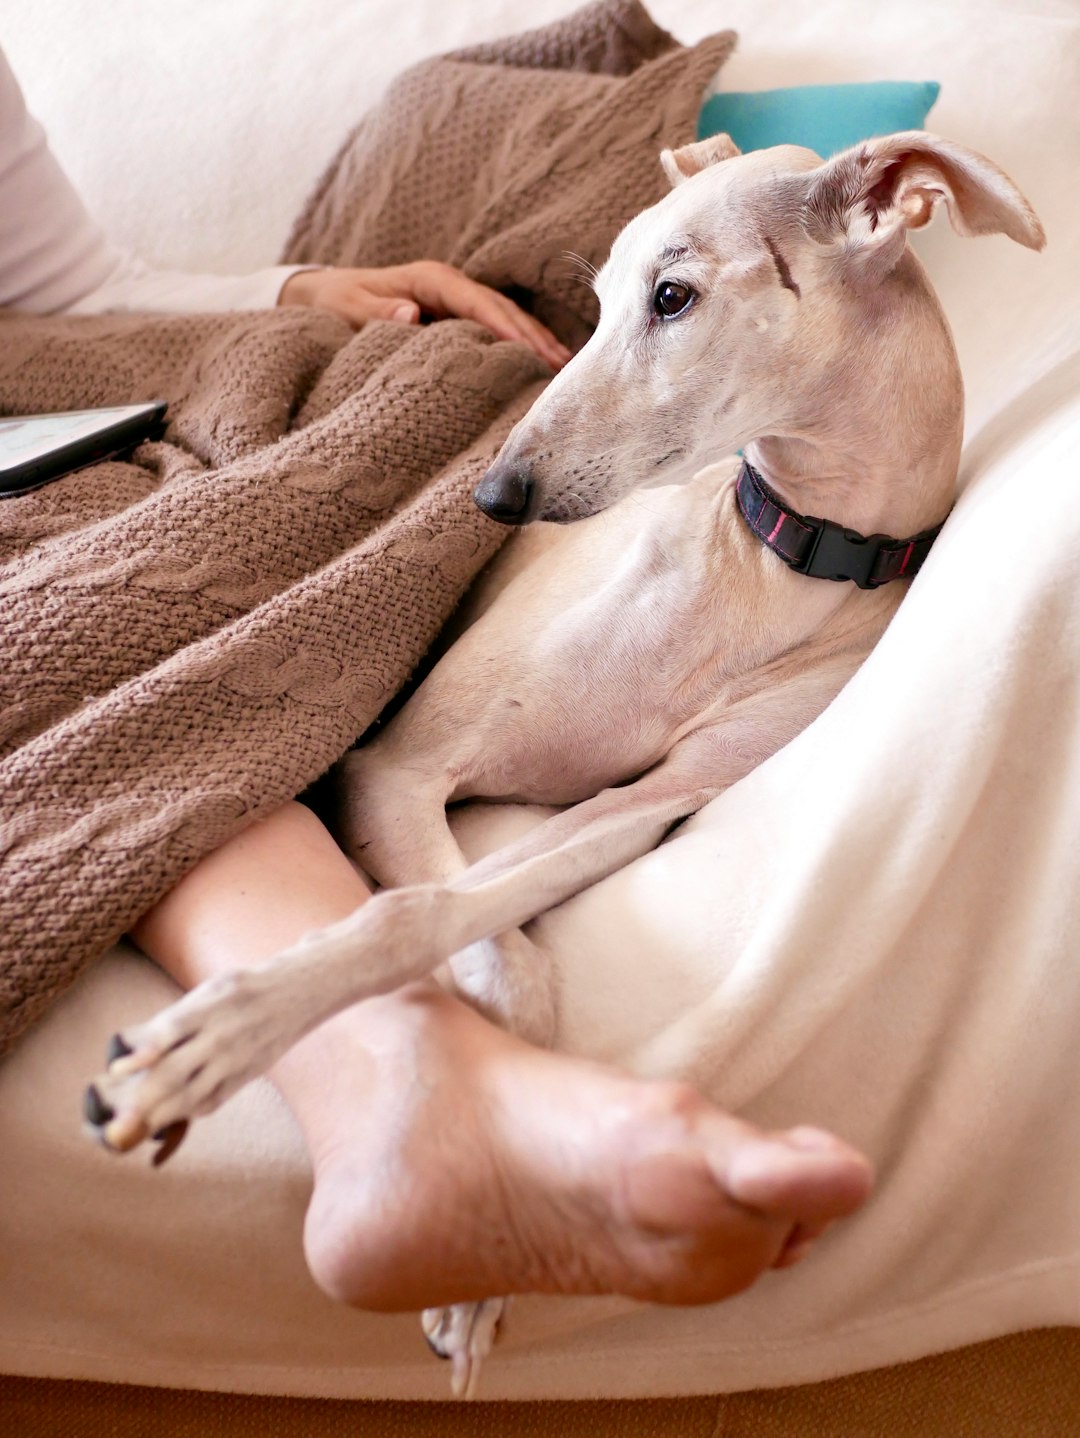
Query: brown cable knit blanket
x,y
193,636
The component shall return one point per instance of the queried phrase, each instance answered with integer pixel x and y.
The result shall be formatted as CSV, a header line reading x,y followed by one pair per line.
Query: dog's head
x,y
768,293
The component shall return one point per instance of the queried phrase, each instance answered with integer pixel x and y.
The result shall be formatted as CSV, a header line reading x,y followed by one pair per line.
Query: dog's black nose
x,y
504,493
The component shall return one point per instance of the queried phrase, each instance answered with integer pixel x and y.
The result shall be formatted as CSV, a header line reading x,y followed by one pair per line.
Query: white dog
x,y
635,666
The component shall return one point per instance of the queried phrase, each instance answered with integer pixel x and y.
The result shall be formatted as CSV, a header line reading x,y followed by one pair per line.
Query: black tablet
x,y
35,448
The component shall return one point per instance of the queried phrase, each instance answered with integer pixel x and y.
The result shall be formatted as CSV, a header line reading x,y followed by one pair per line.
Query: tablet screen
x,y
33,436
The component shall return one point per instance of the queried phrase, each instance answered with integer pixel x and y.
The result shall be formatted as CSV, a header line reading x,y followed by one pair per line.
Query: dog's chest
x,y
598,685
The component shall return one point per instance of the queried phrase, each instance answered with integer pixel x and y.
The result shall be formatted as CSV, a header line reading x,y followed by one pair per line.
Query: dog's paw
x,y
464,1333
186,1061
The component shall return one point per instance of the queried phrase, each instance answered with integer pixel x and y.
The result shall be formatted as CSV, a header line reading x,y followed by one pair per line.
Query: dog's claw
x,y
169,1138
96,1111
464,1333
117,1049
433,1344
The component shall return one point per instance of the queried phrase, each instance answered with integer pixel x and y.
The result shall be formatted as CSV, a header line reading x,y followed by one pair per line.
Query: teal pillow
x,y
825,118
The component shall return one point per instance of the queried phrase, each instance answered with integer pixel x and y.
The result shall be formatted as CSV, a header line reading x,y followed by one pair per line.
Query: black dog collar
x,y
822,549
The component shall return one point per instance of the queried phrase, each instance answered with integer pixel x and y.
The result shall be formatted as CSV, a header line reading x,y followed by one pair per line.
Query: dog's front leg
x,y
188,1059
392,820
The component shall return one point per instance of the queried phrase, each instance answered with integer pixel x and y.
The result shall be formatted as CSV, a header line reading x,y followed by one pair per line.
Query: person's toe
x,y
805,1174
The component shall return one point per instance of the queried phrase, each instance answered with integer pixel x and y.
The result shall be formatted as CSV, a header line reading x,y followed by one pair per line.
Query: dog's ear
x,y
867,198
681,164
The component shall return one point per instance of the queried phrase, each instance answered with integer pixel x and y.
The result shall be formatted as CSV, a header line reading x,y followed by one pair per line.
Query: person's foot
x,y
453,1162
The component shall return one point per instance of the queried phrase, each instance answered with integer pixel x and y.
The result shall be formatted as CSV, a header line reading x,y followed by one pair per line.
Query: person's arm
x,y
55,259
133,287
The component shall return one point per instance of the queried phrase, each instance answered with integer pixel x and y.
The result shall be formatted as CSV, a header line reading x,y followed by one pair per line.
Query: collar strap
x,y
824,550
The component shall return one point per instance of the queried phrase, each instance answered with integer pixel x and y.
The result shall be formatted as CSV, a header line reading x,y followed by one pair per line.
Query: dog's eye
x,y
671,299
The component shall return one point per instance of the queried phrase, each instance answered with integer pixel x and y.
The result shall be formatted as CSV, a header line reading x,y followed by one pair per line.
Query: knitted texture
x,y
192,637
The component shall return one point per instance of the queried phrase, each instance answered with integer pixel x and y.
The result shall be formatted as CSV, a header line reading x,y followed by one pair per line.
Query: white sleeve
x,y
132,286
54,258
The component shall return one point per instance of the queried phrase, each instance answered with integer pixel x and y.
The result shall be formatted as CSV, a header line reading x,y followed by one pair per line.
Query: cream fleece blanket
x,y
877,930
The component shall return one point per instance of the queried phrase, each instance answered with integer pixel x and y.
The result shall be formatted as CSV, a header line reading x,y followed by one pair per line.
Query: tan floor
x,y
1024,1386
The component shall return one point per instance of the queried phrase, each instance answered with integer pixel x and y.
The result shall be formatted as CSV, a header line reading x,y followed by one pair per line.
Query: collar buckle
x,y
839,553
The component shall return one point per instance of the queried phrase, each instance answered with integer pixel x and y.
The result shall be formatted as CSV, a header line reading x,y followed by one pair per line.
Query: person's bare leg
x,y
453,1161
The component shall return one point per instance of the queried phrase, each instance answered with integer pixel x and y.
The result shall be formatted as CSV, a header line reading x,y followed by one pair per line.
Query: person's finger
x,y
517,324
445,291
341,292
545,337
448,292
359,306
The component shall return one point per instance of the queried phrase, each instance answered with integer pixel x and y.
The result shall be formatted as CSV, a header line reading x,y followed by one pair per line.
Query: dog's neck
x,y
897,495
880,451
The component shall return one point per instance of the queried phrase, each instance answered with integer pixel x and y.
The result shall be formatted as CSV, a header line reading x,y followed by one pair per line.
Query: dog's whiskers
x,y
587,270
578,507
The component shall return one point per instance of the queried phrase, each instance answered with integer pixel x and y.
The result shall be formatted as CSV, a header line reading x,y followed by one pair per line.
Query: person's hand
x,y
402,293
